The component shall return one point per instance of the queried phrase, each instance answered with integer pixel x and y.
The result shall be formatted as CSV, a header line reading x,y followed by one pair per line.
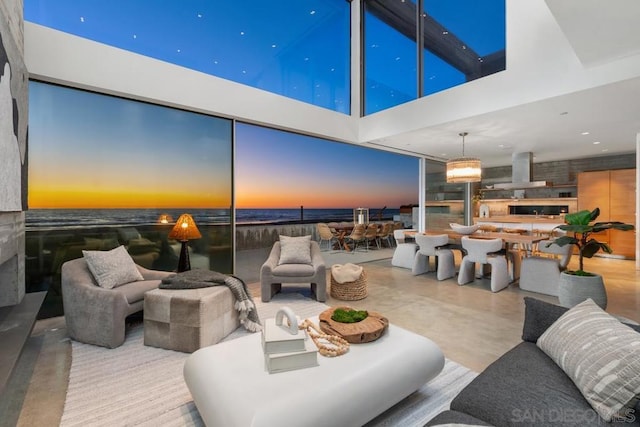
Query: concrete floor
x,y
472,325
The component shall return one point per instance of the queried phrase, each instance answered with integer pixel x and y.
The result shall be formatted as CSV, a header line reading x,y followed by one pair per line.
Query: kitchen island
x,y
530,223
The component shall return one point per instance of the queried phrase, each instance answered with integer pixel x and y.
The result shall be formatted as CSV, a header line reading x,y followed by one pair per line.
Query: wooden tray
x,y
370,329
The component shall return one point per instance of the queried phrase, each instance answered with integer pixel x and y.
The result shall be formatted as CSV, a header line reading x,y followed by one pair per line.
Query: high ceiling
x,y
555,128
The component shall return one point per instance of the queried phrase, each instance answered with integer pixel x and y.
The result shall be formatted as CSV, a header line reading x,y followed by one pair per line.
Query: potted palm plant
x,y
577,285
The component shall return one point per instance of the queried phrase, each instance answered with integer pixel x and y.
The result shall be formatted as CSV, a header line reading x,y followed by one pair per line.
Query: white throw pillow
x,y
112,268
295,250
600,355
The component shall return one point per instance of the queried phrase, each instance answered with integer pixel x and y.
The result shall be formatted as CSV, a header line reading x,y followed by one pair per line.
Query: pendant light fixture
x,y
464,169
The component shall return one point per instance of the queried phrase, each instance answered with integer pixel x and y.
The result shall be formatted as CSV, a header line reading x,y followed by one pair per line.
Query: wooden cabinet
x,y
614,192
622,200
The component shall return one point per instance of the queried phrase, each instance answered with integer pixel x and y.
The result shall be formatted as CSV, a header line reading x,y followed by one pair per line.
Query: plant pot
x,y
572,290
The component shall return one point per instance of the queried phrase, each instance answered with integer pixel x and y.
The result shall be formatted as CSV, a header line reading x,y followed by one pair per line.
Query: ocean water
x,y
79,218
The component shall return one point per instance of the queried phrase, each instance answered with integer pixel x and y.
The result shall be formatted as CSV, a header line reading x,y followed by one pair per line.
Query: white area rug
x,y
136,385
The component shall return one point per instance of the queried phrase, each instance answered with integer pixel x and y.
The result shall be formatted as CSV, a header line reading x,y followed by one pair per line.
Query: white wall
x,y
59,57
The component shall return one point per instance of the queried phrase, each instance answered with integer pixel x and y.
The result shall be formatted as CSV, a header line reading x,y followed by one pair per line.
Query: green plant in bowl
x,y
349,315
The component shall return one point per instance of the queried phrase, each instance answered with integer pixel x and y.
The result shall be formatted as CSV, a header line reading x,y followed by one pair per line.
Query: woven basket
x,y
350,291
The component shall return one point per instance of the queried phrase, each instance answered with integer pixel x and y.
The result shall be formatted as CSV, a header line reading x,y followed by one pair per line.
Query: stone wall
x,y
562,172
13,129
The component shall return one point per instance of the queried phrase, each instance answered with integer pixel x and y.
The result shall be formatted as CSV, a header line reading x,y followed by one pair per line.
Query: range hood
x,y
521,173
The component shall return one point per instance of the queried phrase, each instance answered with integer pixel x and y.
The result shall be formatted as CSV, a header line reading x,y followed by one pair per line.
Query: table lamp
x,y
184,230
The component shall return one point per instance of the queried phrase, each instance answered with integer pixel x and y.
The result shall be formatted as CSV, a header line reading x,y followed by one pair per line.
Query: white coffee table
x,y
231,388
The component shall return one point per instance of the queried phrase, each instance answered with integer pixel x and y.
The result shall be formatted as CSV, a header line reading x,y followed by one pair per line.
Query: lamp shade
x,y
185,229
164,219
464,169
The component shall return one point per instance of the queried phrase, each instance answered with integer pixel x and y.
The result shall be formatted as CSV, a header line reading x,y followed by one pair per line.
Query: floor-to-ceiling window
x,y
299,49
106,171
420,47
444,202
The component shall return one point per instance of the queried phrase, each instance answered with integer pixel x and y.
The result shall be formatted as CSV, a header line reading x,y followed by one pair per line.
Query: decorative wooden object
x,y
370,329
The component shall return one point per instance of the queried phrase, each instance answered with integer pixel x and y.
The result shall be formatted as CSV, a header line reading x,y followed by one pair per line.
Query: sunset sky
x,y
95,151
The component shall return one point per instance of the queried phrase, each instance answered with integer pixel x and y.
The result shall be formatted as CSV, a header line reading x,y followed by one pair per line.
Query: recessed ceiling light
x,y
178,50
596,142
242,33
273,45
135,36
584,133
313,12
82,19
199,15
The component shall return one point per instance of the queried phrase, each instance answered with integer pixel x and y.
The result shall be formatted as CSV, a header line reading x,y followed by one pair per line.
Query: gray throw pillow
x,y
112,268
295,250
599,354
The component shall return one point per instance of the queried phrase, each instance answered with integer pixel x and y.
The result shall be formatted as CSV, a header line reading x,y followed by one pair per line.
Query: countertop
x,y
529,219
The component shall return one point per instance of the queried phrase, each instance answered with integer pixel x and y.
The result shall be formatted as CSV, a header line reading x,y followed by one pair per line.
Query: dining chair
x,y
405,252
541,273
431,245
484,251
356,236
385,233
371,235
326,235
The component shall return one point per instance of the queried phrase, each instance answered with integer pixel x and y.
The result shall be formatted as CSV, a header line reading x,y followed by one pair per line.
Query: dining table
x,y
524,242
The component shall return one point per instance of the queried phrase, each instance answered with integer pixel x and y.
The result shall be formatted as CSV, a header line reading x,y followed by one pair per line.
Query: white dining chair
x,y
541,273
404,253
431,245
484,251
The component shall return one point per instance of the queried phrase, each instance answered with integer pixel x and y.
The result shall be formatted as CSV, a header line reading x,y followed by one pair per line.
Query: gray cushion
x,y
134,291
600,354
525,387
294,270
112,268
455,417
295,250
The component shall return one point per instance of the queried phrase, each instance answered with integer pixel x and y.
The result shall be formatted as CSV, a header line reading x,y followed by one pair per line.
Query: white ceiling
x,y
552,129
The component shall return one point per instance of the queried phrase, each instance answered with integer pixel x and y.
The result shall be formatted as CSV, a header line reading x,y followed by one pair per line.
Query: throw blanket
x,y
346,273
194,279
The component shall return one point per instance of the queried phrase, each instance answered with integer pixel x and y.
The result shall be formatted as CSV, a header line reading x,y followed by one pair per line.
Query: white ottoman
x,y
187,319
230,386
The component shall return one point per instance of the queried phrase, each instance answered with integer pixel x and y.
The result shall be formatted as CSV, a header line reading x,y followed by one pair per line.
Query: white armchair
x,y
483,251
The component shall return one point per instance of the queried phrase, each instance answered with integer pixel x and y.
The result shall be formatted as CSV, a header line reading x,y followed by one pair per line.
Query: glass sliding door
x,y
106,171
